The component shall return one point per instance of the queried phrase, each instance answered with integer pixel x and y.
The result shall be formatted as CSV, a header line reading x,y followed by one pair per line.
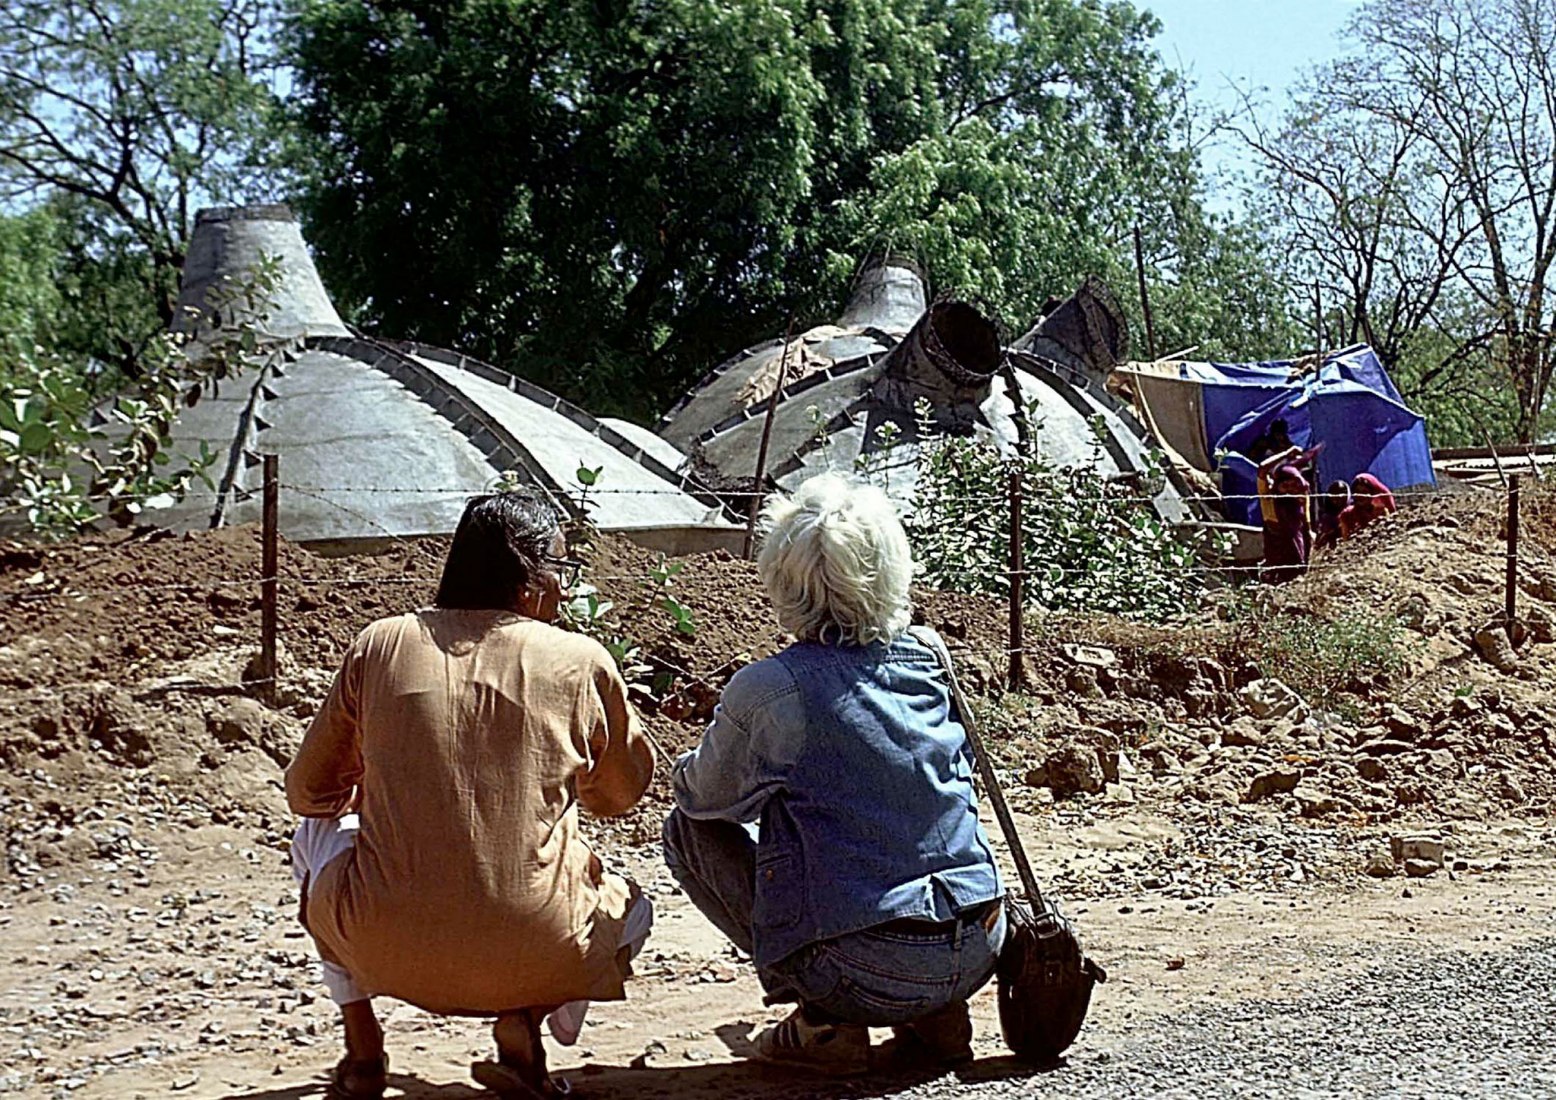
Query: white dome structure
x,y
890,351
380,440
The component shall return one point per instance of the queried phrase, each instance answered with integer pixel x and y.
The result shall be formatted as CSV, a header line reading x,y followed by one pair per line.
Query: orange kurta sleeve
x,y
621,761
323,777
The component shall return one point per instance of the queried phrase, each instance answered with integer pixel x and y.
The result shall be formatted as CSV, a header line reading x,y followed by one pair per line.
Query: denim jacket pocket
x,y
780,891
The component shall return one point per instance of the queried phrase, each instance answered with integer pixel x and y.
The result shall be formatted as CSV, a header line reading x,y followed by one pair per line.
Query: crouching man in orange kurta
x,y
440,857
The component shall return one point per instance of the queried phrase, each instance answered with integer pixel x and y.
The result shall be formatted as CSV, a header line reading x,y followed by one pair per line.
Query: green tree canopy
x,y
610,196
117,118
72,289
1415,183
29,297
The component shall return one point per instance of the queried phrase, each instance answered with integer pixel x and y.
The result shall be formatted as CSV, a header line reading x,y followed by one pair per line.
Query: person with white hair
x,y
827,823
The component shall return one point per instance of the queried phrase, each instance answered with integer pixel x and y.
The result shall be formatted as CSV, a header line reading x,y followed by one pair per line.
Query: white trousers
x,y
318,841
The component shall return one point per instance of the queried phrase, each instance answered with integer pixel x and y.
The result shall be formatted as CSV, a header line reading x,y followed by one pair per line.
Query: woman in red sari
x,y
1283,499
1370,500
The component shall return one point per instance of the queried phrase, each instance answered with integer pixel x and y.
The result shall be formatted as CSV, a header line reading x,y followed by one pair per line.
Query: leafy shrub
x,y
1090,544
587,611
68,455
1319,658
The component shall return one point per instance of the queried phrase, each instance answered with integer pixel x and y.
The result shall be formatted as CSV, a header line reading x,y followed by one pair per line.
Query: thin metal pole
x,y
1512,555
1318,327
767,435
1017,674
270,539
1496,458
1145,298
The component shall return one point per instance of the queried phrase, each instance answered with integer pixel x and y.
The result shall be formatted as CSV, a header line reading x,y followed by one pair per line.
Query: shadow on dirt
x,y
724,1081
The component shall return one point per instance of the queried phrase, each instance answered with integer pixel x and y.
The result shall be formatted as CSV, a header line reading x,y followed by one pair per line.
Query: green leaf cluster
x,y
1323,659
69,455
611,196
1089,544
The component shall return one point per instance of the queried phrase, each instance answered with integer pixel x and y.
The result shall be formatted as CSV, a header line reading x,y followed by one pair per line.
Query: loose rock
x,y
1074,768
1494,645
1379,865
1277,781
1272,699
1428,849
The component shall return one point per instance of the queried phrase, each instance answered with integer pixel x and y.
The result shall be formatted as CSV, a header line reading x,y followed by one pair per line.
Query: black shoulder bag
x,y
1045,979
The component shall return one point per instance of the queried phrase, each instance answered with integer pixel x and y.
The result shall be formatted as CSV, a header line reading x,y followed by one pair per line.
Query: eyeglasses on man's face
x,y
566,569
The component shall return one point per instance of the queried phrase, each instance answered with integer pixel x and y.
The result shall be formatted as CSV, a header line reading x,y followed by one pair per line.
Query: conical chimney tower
x,y
888,295
229,242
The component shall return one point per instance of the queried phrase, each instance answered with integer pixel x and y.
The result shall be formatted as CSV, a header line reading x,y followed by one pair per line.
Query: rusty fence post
x,y
1512,556
270,539
1017,673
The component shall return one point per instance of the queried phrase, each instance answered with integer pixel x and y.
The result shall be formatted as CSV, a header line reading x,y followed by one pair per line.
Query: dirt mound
x,y
127,652
119,606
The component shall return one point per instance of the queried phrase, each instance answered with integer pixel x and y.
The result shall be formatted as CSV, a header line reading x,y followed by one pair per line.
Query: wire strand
x,y
322,492
1054,573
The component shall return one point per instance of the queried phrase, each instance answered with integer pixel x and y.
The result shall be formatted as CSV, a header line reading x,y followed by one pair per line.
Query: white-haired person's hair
x,y
836,563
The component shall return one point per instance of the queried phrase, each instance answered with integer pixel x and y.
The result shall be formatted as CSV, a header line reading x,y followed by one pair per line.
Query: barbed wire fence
x,y
266,679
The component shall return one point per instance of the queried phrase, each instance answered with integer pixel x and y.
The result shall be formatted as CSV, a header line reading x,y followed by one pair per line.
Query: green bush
x,y
1322,659
68,456
1090,544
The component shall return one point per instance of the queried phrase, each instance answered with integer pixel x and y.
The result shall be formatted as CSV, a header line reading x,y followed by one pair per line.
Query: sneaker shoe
x,y
840,1050
944,1037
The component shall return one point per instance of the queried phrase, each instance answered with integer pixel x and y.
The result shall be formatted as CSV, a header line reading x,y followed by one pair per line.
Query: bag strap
x,y
991,783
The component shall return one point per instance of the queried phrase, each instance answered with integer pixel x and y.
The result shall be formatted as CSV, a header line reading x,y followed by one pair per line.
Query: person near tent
x,y
440,857
1283,501
1326,514
1275,439
1370,500
827,822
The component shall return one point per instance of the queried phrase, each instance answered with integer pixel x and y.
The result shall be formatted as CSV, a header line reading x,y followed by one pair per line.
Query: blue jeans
x,y
883,976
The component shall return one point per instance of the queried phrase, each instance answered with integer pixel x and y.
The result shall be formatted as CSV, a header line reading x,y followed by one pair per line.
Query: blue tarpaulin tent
x,y
1349,405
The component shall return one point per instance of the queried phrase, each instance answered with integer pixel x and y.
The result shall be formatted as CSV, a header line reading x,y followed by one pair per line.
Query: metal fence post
x,y
269,542
1017,673
1512,557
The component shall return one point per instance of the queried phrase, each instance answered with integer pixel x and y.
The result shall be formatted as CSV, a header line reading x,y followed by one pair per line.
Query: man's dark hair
x,y
500,544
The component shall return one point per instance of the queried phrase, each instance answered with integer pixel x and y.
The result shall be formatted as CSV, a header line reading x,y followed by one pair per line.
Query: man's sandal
x,y
519,1073
363,1079
512,1083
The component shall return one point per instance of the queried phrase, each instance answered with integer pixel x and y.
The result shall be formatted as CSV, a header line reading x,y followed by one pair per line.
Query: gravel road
x,y
1434,1026
1427,1026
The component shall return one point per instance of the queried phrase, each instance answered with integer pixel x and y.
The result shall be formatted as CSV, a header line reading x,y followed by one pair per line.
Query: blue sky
x,y
1247,43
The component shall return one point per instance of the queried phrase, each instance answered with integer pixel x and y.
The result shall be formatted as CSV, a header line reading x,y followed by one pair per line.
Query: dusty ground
x,y
198,982
150,948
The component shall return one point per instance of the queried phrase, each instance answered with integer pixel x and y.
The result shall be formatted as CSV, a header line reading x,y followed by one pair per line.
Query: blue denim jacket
x,y
861,778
